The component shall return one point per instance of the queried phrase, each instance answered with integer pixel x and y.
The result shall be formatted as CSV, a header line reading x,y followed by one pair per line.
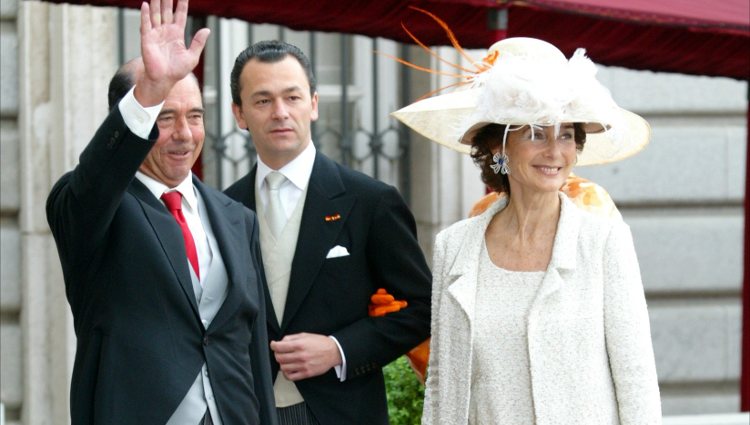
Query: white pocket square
x,y
337,251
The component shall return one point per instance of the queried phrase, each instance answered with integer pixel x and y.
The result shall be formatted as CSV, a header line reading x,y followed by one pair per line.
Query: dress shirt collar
x,y
157,188
297,171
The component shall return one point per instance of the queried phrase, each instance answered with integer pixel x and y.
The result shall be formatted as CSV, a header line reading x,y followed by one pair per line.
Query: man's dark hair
x,y
119,85
269,51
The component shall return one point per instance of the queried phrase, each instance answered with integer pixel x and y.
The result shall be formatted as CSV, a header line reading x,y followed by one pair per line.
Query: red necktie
x,y
173,201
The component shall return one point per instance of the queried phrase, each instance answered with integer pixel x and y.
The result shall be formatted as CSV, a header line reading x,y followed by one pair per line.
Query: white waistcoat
x,y
210,298
277,263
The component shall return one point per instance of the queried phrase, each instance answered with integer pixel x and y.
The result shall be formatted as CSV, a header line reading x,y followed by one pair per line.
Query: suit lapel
x,y
326,196
464,269
459,304
564,253
169,235
224,219
244,191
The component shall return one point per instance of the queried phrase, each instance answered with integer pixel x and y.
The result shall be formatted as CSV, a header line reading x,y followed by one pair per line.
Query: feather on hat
x,y
531,82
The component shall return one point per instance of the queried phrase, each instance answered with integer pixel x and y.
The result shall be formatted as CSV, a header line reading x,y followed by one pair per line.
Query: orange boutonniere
x,y
333,217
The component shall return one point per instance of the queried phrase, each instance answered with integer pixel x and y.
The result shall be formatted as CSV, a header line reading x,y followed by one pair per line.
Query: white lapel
x,y
466,264
564,253
458,310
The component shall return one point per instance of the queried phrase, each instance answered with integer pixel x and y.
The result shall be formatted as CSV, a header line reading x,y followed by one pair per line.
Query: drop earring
x,y
500,163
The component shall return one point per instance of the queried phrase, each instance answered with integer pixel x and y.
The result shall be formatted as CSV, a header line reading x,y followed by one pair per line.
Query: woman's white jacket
x,y
589,340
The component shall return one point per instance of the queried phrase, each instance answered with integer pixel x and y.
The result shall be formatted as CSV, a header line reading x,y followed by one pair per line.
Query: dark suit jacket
x,y
330,296
141,343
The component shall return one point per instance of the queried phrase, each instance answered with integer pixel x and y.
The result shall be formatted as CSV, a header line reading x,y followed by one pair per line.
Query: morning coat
x,y
140,339
330,296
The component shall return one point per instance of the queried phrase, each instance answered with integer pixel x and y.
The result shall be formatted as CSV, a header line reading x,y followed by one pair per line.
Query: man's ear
x,y
314,100
237,111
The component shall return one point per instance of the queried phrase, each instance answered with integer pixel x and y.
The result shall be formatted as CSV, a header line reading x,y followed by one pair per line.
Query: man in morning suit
x,y
167,294
330,237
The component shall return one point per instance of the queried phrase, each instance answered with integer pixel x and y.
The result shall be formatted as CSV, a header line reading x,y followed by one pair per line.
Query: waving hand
x,y
165,57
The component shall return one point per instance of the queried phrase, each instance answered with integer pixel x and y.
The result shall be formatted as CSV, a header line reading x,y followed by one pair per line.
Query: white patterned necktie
x,y
275,212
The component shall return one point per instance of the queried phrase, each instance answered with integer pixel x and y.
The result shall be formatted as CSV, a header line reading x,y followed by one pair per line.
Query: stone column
x,y
66,57
10,287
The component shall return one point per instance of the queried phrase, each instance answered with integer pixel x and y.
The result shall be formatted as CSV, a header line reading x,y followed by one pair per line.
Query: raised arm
x,y
83,203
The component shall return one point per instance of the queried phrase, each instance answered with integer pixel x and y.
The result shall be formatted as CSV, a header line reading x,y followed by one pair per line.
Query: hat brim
x,y
602,148
440,119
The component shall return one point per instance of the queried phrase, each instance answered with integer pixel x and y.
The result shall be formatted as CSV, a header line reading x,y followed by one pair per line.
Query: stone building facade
x,y
682,197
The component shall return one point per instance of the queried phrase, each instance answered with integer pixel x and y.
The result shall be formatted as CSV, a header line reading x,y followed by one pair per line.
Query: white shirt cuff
x,y
140,120
340,369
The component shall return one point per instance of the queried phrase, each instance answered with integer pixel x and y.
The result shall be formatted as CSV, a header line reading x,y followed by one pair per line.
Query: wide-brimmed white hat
x,y
531,82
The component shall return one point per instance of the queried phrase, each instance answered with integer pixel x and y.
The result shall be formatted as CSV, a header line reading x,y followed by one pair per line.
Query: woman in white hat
x,y
538,310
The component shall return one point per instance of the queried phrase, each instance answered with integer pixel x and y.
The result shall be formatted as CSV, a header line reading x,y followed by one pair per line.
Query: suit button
x,y
112,143
205,340
116,133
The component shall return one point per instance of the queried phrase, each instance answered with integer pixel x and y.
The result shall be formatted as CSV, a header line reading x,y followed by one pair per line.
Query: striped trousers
x,y
298,414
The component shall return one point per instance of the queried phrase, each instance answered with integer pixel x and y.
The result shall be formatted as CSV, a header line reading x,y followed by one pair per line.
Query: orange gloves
x,y
382,303
418,357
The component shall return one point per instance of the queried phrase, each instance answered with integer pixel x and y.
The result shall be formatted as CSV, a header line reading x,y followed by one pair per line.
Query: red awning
x,y
703,37
719,16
